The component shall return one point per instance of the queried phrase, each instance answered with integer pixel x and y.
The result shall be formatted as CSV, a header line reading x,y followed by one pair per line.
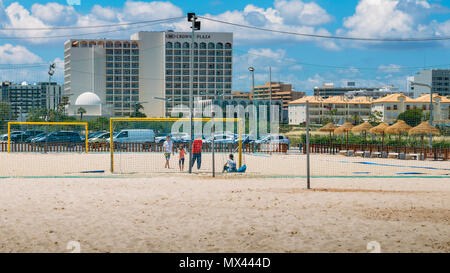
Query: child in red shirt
x,y
181,160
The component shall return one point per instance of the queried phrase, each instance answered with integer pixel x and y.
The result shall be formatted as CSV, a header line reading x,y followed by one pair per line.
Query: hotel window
x,y
395,107
388,108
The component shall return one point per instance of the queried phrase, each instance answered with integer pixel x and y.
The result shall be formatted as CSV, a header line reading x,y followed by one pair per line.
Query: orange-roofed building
x,y
393,105
341,106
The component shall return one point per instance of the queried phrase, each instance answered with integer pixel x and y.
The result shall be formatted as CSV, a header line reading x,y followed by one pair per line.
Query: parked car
x,y
134,136
222,138
23,136
178,137
4,138
30,139
99,138
60,137
274,139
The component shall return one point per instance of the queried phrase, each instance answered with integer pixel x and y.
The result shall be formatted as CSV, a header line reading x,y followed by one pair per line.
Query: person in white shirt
x,y
168,149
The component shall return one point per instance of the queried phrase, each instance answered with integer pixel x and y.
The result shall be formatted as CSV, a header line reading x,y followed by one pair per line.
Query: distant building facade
x,y
280,91
438,79
337,107
241,95
329,90
393,105
23,97
149,65
390,107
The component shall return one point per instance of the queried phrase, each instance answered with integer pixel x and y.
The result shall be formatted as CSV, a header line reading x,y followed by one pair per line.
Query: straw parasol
x,y
330,127
398,128
345,128
363,127
422,129
379,130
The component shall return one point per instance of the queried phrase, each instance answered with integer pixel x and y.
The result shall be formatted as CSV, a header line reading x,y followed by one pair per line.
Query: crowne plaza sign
x,y
187,36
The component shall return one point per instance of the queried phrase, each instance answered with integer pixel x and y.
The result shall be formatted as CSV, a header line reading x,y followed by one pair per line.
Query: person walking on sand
x,y
168,149
197,152
181,159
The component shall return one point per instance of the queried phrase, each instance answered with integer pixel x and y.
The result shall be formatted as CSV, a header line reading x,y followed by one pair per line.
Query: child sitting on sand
x,y
230,166
181,159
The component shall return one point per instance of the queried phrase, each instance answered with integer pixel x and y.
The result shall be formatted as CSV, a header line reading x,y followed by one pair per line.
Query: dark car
x,y
60,137
30,139
23,136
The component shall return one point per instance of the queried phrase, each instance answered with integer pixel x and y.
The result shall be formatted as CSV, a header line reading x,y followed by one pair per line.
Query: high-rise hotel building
x,y
152,68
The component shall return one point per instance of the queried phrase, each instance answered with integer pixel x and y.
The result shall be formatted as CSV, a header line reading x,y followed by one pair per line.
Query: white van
x,y
135,136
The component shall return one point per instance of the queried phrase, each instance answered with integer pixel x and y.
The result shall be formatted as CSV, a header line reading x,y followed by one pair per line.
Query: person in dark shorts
x,y
168,149
181,159
197,152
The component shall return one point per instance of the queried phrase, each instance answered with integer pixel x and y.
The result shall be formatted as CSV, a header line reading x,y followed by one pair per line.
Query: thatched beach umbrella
x,y
330,127
345,128
379,130
423,129
398,128
363,127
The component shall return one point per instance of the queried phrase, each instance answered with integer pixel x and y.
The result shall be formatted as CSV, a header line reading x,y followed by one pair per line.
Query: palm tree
x,y
137,110
81,111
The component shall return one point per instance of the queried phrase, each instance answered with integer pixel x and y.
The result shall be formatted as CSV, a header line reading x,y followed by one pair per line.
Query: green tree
x,y
99,124
81,111
137,107
4,114
412,117
330,117
375,118
37,115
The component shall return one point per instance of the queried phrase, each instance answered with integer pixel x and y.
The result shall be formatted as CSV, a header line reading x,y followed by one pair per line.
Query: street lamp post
x,y
431,106
195,26
270,96
51,71
252,70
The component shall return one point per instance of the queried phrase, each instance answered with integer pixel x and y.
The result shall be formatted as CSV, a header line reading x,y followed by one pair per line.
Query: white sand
x,y
34,164
194,214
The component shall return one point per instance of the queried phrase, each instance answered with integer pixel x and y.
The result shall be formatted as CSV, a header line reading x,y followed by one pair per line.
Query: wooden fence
x,y
435,153
137,147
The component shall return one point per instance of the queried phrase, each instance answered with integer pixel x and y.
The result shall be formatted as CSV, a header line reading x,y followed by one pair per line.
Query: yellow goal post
x,y
85,124
125,119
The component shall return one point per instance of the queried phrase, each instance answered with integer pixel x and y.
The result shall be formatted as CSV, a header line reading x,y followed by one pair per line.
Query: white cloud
x,y
392,68
275,18
54,13
140,11
298,12
10,54
394,19
379,18
57,15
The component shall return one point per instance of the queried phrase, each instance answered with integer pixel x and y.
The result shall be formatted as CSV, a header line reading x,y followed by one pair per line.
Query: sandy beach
x,y
197,214
261,165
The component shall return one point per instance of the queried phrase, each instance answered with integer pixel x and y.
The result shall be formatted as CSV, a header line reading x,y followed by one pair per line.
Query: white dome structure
x,y
88,98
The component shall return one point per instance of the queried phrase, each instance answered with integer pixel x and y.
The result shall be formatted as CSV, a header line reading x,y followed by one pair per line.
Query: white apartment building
x,y
148,66
390,107
438,79
393,105
342,107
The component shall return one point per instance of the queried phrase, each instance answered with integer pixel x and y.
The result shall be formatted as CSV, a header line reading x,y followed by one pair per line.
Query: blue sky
x,y
304,62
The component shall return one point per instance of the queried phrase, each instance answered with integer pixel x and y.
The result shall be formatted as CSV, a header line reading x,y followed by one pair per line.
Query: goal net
x,y
137,144
45,148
